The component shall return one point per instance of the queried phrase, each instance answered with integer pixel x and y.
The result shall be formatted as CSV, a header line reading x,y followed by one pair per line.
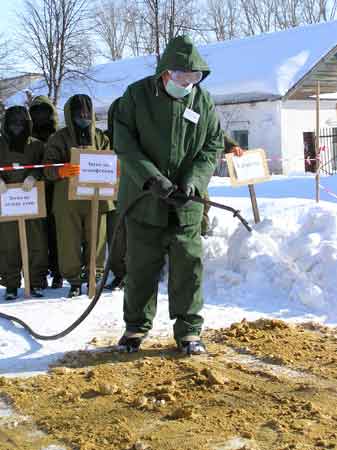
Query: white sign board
x,y
88,191
96,168
17,202
250,168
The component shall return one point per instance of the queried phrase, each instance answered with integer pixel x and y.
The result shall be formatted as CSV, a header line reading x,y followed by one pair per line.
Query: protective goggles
x,y
184,78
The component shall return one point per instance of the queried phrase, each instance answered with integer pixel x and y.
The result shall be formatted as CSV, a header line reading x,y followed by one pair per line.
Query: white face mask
x,y
177,91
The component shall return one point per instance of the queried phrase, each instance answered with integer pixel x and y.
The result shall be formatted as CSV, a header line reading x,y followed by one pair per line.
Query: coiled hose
x,y
100,287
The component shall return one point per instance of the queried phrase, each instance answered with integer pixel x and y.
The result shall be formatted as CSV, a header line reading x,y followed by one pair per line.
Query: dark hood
x,y
181,54
111,114
73,102
43,131
17,143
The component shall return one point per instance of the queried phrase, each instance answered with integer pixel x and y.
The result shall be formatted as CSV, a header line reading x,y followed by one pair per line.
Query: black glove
x,y
188,189
160,186
180,197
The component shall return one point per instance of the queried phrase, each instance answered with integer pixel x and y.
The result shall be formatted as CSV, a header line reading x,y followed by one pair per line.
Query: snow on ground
x,y
285,269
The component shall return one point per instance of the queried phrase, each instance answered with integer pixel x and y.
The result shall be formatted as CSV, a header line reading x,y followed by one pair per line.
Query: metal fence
x,y
328,144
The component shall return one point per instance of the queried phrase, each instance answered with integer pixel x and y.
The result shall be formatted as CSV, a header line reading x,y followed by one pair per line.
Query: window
x,y
241,137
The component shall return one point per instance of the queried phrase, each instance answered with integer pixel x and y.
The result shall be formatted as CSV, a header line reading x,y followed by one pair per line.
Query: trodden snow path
x,y
286,269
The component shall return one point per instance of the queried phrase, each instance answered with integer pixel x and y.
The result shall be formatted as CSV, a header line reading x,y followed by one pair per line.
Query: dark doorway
x,y
309,151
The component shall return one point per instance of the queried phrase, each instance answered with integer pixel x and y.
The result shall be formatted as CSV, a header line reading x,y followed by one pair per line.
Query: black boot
x,y
74,291
11,294
37,292
116,284
57,282
196,347
130,344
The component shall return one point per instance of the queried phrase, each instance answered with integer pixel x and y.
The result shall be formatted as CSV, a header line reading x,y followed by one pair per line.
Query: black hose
x,y
98,293
101,285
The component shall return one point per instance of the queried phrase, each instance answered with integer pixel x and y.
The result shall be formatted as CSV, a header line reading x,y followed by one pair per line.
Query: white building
x,y
263,87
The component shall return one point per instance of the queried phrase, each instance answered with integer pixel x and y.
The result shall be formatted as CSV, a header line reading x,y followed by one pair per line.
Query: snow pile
x,y
291,256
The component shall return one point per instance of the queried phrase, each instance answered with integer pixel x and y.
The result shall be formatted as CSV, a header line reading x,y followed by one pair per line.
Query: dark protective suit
x,y
152,138
22,149
45,123
118,255
73,216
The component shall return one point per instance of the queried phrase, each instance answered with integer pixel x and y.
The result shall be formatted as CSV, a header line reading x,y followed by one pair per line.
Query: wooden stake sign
x,y
249,169
19,205
98,180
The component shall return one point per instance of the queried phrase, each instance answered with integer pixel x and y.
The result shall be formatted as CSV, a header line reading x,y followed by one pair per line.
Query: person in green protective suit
x,y
167,136
73,216
18,146
45,123
118,253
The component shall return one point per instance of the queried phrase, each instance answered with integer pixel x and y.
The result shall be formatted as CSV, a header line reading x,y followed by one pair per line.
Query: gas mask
x,y
16,128
82,122
42,116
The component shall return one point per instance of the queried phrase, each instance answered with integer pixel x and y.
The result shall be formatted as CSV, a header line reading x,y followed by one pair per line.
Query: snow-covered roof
x,y
262,67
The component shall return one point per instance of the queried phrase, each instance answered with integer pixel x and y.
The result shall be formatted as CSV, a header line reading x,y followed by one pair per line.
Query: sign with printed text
x,y
16,203
98,170
250,168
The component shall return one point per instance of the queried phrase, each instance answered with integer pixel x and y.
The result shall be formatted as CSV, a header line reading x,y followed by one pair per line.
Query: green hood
x,y
181,54
111,113
69,121
43,99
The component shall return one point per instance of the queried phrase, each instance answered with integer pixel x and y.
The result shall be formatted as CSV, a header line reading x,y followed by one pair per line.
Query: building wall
x,y
299,117
263,122
278,127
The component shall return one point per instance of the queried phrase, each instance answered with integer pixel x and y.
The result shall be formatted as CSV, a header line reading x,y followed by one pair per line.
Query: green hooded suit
x,y
73,216
45,123
24,151
152,138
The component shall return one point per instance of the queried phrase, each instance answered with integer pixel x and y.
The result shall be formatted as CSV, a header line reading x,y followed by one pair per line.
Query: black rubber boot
x,y
130,344
116,284
74,291
192,347
37,292
11,294
57,282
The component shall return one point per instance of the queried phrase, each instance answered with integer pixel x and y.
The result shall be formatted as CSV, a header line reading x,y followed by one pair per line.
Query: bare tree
x,y
55,35
314,11
6,56
259,16
288,13
158,21
222,18
113,21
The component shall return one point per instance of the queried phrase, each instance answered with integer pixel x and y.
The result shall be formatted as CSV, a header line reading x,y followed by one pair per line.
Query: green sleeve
x,y
229,143
204,164
127,146
54,154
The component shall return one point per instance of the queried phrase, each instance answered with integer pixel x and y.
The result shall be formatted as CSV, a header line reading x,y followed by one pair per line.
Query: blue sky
x,y
7,14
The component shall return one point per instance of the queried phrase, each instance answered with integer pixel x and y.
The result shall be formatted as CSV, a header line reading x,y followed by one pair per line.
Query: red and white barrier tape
x,y
27,166
331,193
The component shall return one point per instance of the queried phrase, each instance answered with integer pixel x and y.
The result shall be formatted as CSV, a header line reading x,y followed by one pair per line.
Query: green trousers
x,y
146,249
10,253
73,229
